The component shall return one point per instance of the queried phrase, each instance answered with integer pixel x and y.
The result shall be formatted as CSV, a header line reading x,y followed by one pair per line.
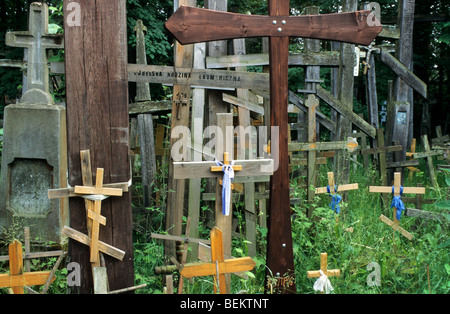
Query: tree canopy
x,y
431,43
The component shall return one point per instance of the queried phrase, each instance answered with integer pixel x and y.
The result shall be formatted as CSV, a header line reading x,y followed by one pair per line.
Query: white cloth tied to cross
x,y
228,176
323,283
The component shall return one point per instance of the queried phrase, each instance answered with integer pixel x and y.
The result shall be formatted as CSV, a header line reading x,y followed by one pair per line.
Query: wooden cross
x,y
219,266
324,268
37,40
428,154
381,150
17,278
395,224
226,162
331,186
191,25
93,201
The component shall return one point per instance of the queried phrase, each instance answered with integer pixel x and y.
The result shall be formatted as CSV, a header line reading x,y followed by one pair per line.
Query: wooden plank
x,y
405,163
396,227
341,188
228,266
200,78
299,147
26,279
148,158
70,192
345,111
205,25
202,169
103,247
217,256
243,104
404,73
280,259
179,239
184,56
430,165
97,104
324,58
88,190
387,189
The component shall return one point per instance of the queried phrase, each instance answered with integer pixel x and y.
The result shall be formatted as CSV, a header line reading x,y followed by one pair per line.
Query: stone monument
x,y
34,156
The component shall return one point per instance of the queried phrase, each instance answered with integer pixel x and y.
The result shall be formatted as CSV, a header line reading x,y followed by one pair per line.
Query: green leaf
x,y
443,205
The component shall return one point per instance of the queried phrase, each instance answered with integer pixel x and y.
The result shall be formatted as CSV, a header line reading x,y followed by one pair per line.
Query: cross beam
x,y
37,40
219,266
204,24
17,278
190,25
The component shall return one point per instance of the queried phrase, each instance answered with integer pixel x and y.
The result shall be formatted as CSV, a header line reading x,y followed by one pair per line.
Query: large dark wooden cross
x,y
192,25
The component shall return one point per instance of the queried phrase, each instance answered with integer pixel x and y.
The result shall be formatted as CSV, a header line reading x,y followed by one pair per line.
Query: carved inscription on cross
x,y
37,40
219,266
17,278
191,25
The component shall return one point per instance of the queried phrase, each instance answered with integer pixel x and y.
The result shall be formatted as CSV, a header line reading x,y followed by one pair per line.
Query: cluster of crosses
x,y
193,25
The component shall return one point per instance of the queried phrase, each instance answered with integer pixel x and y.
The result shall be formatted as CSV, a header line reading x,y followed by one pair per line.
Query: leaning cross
x,y
397,203
37,40
17,278
332,189
192,25
219,266
94,195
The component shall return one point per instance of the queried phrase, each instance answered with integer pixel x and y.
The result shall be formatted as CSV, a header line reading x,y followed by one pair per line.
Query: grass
x,y
420,266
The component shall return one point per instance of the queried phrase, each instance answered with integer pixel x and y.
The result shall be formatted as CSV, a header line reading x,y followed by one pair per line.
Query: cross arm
x,y
202,169
341,188
388,189
192,25
228,266
26,279
329,273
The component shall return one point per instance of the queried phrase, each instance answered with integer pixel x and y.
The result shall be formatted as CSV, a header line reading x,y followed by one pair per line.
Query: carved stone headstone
x,y
34,156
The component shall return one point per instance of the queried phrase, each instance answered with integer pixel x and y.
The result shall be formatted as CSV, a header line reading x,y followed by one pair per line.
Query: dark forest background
x,y
431,47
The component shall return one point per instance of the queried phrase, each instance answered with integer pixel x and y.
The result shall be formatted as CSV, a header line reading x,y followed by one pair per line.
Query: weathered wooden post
x,y
97,107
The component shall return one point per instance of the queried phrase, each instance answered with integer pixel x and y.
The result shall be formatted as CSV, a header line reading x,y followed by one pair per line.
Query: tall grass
x,y
353,239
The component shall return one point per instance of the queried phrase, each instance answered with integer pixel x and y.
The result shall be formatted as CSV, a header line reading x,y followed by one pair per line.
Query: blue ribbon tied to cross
x,y
335,199
398,203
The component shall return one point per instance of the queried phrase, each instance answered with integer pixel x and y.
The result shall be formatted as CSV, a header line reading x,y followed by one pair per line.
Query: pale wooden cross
x,y
395,224
324,268
331,187
93,199
17,278
37,40
219,266
191,25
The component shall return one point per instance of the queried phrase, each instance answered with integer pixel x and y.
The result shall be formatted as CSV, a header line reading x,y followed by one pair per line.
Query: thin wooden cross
x,y
17,278
324,268
332,189
397,191
192,25
94,195
219,266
